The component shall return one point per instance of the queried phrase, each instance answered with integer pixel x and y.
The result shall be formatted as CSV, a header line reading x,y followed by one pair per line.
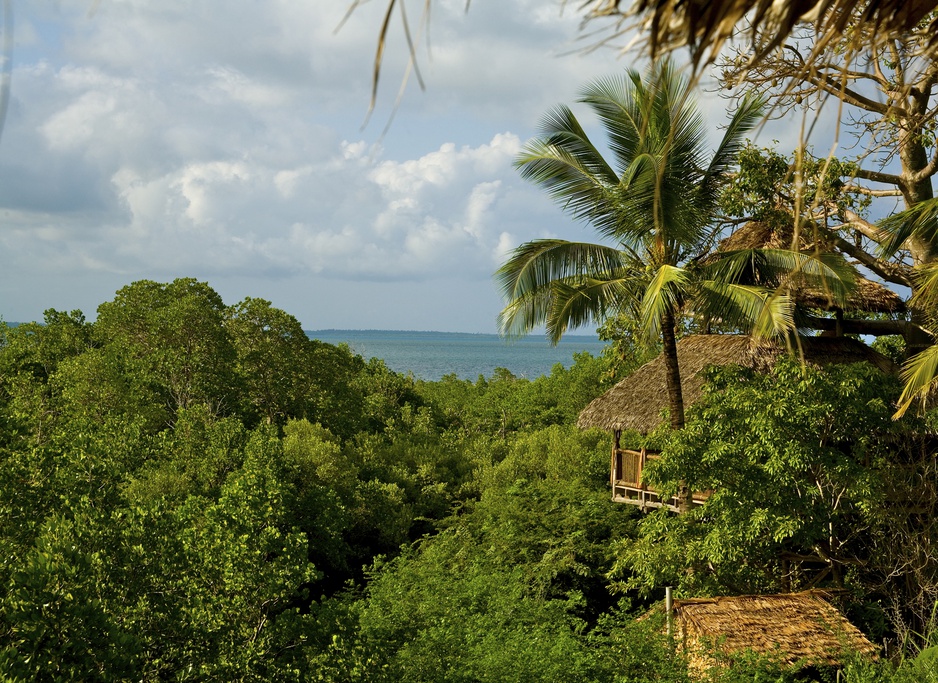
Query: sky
x,y
224,140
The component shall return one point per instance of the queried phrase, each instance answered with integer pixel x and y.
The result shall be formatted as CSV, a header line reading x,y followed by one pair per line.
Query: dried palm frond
x,y
705,26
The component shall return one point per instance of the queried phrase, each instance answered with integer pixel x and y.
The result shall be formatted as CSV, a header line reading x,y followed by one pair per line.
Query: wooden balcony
x,y
627,486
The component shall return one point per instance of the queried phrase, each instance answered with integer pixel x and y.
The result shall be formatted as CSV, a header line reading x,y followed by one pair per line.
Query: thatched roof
x,y
638,401
761,235
704,25
796,627
867,296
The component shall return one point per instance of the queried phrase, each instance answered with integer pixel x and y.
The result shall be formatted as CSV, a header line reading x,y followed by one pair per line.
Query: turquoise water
x,y
430,355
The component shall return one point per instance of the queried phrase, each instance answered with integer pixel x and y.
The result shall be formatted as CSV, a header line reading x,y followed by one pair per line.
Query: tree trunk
x,y
675,394
915,189
672,370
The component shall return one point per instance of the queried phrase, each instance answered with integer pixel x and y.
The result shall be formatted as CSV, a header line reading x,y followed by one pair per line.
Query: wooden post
x,y
668,608
685,499
641,469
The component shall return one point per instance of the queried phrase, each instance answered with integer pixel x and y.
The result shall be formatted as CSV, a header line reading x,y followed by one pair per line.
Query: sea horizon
x,y
532,335
469,355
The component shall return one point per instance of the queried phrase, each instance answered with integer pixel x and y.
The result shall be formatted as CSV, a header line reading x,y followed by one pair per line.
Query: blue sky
x,y
223,140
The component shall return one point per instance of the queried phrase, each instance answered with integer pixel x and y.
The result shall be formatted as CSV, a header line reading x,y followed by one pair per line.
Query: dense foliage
x,y
195,491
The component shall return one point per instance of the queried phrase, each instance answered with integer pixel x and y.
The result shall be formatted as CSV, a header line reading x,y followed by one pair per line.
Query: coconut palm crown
x,y
654,205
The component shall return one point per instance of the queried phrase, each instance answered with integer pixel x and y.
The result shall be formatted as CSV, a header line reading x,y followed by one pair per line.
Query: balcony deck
x,y
627,485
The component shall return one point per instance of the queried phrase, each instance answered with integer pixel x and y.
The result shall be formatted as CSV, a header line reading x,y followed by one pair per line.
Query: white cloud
x,y
230,85
162,138
74,126
347,215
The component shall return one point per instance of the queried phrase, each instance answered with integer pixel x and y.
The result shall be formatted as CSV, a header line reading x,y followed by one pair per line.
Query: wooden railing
x,y
627,485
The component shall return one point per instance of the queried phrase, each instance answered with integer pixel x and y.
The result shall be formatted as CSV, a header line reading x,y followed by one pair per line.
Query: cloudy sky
x,y
223,140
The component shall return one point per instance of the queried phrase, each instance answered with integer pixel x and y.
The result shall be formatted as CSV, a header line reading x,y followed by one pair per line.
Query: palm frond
x,y
926,293
920,375
613,102
536,264
920,220
569,181
560,128
523,313
747,115
662,294
565,304
589,301
763,312
821,272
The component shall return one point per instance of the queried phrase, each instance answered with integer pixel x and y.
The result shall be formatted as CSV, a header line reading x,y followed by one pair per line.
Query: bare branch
x,y
831,86
896,273
880,177
863,226
859,189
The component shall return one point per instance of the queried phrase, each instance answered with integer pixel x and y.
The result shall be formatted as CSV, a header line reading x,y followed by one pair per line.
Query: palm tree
x,y
920,371
656,203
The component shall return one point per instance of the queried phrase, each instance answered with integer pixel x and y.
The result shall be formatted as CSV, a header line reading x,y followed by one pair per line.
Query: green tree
x,y
30,356
273,358
507,590
55,624
656,202
172,338
244,572
287,375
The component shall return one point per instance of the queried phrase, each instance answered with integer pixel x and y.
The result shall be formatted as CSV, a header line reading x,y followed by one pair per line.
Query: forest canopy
x,y
198,491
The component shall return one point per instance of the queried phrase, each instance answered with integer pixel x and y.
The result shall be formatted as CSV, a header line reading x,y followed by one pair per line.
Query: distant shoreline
x,y
468,355
332,332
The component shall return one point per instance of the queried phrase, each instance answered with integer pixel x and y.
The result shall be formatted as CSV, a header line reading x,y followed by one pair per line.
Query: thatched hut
x,y
867,296
639,402
801,629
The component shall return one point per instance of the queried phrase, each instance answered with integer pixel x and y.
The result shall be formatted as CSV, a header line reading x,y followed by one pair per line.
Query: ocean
x,y
431,355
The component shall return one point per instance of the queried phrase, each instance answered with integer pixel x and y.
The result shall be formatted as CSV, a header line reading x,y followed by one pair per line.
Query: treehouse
x,y
639,403
797,629
866,296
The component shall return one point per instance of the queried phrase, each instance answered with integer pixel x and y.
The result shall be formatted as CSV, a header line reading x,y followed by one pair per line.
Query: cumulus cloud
x,y
162,138
271,203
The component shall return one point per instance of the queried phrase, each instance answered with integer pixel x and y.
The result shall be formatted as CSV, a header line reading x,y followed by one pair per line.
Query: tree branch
x,y
877,77
863,226
896,273
830,85
875,328
859,189
880,177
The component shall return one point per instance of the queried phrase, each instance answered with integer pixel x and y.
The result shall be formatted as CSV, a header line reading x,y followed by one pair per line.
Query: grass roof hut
x,y
801,629
638,402
866,297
